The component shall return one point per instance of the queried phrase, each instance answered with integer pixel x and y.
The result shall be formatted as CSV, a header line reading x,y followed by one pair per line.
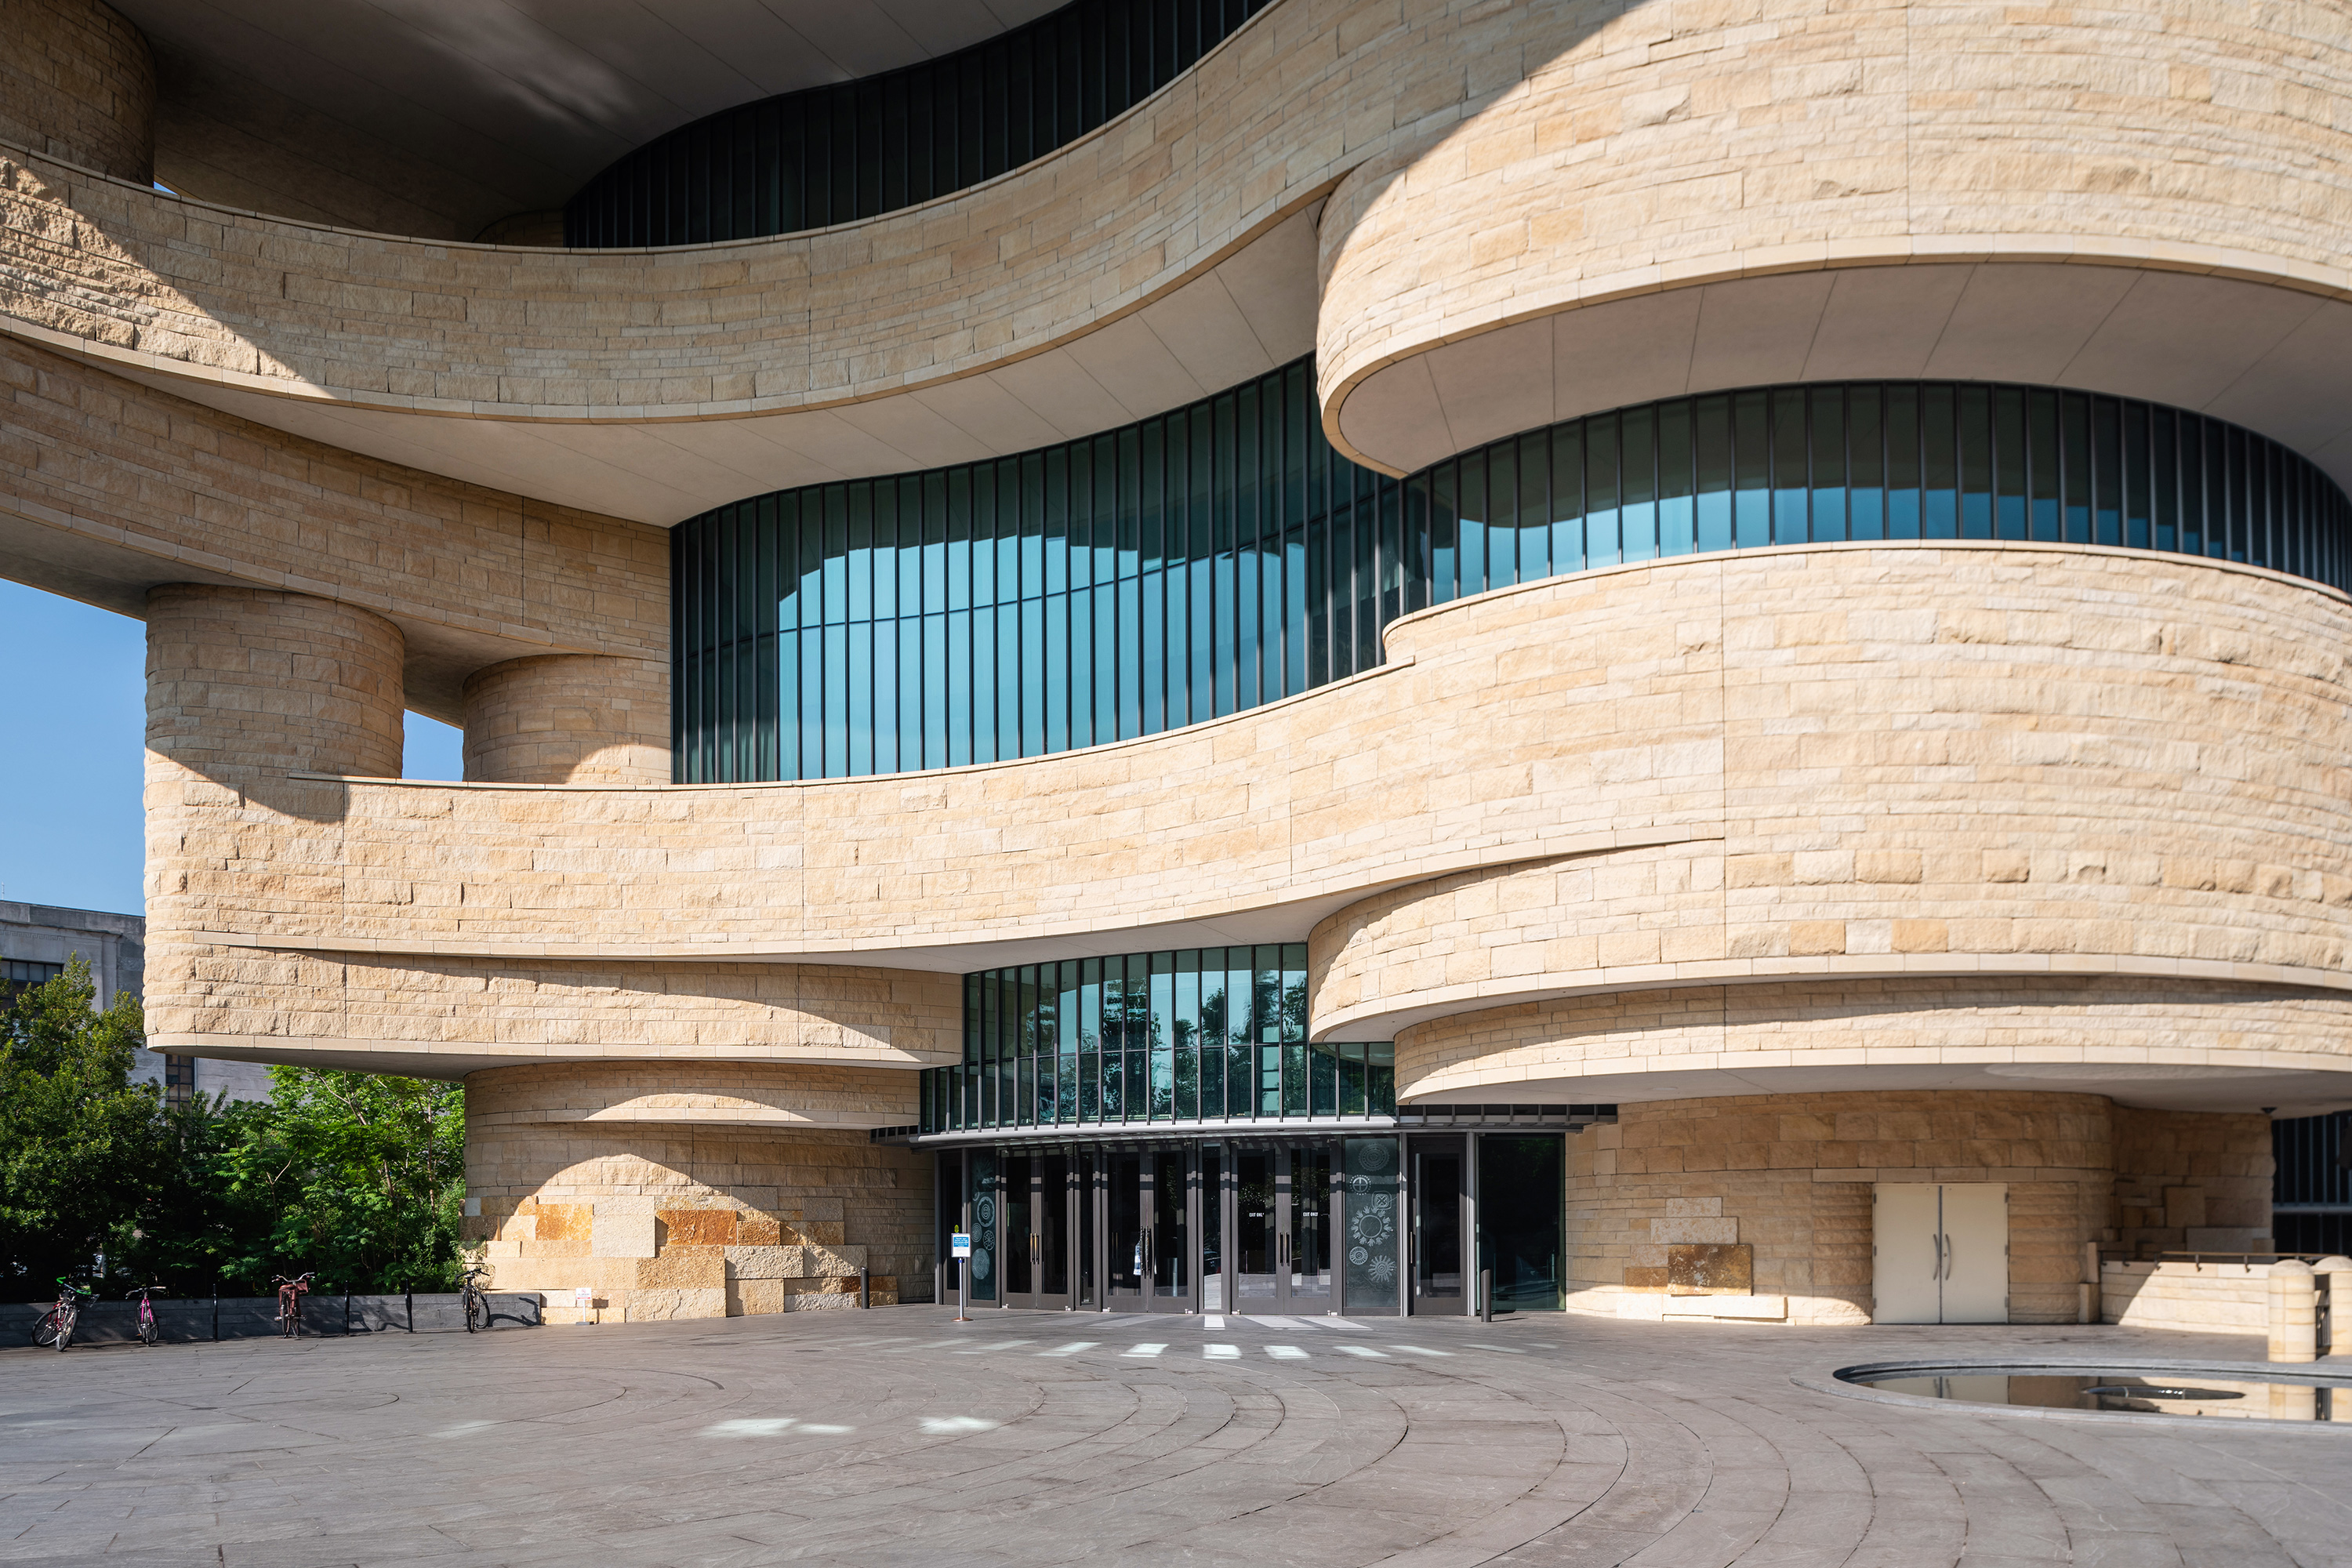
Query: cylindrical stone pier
x,y
249,682
76,83
568,719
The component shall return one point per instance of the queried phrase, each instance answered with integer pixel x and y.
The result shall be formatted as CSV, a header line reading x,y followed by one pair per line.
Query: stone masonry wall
x,y
2191,1182
1562,139
77,82
1902,761
1671,142
2038,1028
666,1221
104,483
1790,1176
1927,764
569,719
439,1017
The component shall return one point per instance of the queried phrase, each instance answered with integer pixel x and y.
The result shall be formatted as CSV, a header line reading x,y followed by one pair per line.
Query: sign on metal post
x,y
960,1244
960,1248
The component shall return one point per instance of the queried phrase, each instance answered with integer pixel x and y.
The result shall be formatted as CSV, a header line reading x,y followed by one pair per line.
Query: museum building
x,y
1279,655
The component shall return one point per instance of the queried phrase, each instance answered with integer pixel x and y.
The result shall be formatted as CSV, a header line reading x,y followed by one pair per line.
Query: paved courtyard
x,y
900,1437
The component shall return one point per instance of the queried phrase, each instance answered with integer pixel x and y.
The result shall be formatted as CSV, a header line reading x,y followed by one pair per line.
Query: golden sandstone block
x,y
683,1268
697,1228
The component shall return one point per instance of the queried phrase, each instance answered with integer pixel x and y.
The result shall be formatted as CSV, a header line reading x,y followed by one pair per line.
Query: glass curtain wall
x,y
1198,1034
1872,460
829,154
1224,556
1189,566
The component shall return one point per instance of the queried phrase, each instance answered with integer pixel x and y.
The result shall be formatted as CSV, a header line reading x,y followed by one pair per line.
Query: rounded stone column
x,y
76,83
247,682
568,719
247,688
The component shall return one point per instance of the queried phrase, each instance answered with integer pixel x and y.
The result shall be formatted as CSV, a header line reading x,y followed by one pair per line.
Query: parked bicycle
x,y
290,1302
56,1326
149,1330
469,1291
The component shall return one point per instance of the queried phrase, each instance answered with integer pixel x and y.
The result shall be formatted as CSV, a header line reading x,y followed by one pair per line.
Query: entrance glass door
x,y
1036,1230
1256,1227
1280,1253
1307,1282
1124,1232
1437,1251
1017,1247
1169,1249
1148,1232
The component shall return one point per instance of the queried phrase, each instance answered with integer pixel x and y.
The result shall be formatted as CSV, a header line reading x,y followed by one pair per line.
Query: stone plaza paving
x,y
899,1437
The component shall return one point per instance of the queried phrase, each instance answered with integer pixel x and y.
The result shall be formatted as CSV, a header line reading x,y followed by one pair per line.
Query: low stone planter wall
x,y
2202,1297
256,1317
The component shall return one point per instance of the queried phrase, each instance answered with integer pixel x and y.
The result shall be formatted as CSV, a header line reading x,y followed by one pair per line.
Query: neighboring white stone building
x,y
37,942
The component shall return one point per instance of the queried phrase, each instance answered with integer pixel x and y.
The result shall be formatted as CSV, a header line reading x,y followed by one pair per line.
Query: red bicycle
x,y
290,1303
56,1326
149,1330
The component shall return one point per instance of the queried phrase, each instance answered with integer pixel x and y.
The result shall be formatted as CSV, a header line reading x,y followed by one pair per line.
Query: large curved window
x,y
1224,556
828,155
1214,1034
1189,566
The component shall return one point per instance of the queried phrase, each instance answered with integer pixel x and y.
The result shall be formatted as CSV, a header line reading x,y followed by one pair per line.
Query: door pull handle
x,y
1936,1243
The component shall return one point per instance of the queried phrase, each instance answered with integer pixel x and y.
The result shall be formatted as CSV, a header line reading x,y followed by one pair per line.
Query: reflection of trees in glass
x,y
1212,1009
1294,1010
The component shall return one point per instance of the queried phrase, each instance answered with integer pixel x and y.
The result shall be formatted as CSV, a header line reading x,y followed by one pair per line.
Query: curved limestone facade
x,y
1570,650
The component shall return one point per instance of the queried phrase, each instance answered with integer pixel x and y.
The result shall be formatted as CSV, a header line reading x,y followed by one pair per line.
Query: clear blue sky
x,y
73,706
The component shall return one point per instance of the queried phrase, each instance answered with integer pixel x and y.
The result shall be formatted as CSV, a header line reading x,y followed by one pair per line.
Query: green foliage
x,y
362,1178
81,1148
357,1177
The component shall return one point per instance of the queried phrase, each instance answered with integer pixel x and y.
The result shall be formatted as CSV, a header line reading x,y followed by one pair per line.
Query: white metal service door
x,y
1906,1254
1976,1253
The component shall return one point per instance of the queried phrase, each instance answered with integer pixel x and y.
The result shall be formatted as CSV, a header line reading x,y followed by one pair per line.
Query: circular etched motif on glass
x,y
983,1212
1374,1154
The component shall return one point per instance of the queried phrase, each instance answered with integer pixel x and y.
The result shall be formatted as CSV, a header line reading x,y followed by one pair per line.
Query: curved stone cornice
x,y
1502,165
2139,1038
2133,202
1838,759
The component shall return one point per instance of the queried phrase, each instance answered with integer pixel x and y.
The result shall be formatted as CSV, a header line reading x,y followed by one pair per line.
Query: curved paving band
x,y
1831,682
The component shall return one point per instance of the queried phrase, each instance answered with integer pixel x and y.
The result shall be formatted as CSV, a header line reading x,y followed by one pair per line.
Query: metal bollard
x,y
1485,1295
865,1290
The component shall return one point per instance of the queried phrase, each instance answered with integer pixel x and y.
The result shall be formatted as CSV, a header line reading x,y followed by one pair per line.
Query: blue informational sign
x,y
960,1244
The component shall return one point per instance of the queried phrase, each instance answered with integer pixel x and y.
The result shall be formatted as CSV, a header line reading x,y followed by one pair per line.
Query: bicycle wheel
x,y
66,1322
149,1332
44,1332
478,1314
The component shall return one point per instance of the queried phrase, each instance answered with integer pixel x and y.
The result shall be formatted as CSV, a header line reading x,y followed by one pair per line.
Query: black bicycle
x,y
57,1325
149,1330
469,1291
290,1303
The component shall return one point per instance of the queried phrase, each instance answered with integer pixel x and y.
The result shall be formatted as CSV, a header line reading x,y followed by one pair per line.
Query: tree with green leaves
x,y
82,1148
358,1177
361,1177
